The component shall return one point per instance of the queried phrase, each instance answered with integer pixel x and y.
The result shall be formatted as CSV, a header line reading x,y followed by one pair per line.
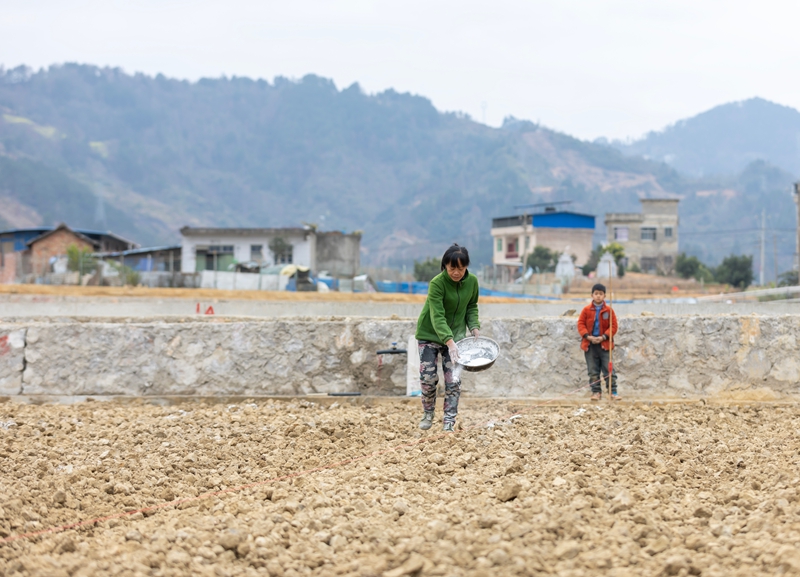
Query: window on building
x,y
648,233
527,242
512,250
621,233
667,232
285,256
649,264
257,252
282,250
219,257
499,245
200,259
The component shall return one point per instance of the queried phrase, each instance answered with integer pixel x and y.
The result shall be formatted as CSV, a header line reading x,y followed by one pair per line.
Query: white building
x,y
220,248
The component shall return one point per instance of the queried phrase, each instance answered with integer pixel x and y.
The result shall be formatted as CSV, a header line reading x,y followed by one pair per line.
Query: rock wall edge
x,y
688,356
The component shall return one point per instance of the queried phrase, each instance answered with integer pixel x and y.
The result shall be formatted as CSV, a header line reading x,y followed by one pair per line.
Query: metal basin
x,y
477,354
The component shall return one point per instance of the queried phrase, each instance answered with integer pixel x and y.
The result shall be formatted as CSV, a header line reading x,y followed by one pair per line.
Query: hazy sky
x,y
614,68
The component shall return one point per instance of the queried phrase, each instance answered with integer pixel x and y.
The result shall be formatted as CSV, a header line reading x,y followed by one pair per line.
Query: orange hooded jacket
x,y
586,324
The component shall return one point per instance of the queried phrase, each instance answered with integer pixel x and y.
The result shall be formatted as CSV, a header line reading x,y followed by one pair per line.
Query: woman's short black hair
x,y
455,256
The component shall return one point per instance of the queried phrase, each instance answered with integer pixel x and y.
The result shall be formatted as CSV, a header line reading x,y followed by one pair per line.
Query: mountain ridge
x,y
725,139
156,154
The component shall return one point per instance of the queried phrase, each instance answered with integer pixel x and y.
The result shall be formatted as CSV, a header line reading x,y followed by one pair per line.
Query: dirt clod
x,y
400,507
702,513
133,535
413,565
67,546
675,563
231,539
567,550
509,490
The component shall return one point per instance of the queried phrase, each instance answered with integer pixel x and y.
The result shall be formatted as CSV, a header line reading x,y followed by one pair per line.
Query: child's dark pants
x,y
597,362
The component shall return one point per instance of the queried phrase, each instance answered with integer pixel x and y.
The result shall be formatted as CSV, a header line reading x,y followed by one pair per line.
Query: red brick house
x,y
30,252
54,244
10,267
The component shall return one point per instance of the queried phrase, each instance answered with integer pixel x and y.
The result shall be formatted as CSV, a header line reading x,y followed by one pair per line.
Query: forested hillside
x,y
146,155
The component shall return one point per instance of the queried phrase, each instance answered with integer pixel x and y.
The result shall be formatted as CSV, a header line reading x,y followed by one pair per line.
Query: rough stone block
x,y
12,360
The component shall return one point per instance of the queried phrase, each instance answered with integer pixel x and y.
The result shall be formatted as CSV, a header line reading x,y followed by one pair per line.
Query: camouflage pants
x,y
429,379
597,360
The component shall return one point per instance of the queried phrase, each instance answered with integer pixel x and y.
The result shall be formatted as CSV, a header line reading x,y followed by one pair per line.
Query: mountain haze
x,y
726,139
143,155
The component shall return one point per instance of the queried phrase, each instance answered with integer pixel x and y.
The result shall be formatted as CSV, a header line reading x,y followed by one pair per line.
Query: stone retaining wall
x,y
656,357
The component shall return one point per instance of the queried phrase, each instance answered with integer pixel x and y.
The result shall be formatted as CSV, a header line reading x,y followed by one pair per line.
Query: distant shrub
x,y
691,267
425,270
542,259
80,259
736,271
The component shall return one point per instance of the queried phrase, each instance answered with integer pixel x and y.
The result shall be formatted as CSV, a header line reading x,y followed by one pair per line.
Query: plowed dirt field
x,y
578,490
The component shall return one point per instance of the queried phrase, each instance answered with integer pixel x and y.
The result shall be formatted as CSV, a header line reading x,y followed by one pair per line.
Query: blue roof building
x,y
514,237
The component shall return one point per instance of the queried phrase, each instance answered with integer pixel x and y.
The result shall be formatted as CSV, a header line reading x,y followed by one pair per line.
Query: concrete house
x,y
514,237
650,237
220,249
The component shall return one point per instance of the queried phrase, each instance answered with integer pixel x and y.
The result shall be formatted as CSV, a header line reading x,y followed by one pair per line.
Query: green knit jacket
x,y
450,309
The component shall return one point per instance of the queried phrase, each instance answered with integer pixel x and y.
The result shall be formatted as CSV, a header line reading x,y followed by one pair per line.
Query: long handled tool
x,y
610,333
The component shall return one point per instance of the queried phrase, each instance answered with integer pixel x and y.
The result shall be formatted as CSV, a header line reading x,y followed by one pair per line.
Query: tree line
x,y
734,270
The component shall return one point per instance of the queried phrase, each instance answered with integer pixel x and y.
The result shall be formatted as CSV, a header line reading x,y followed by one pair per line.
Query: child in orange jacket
x,y
597,326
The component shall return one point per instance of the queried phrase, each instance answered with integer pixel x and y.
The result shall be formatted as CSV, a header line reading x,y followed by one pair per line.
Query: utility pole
x,y
775,255
797,247
525,249
763,247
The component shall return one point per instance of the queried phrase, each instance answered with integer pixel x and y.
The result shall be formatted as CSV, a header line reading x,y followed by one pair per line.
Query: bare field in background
x,y
218,294
618,490
632,285
647,286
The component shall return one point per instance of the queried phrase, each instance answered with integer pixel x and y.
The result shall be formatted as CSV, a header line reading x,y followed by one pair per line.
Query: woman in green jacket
x,y
450,310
